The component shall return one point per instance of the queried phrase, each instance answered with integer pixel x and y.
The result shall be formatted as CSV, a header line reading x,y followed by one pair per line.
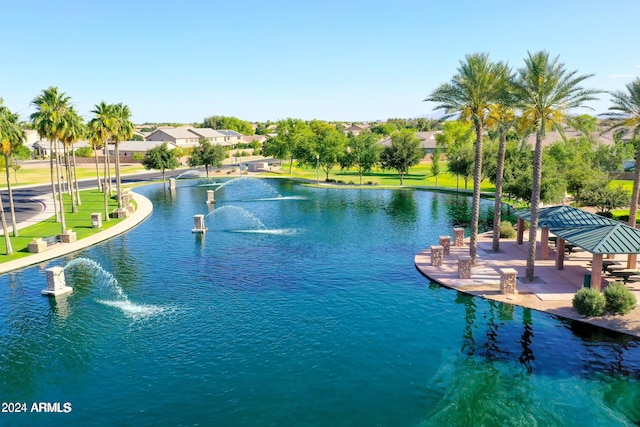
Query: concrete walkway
x,y
551,291
145,207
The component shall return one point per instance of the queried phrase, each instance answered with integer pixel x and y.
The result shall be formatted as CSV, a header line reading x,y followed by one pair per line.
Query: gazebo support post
x,y
520,230
596,271
632,260
544,238
560,256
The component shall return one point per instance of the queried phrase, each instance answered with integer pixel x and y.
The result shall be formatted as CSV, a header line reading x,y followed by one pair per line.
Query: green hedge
x,y
589,302
619,299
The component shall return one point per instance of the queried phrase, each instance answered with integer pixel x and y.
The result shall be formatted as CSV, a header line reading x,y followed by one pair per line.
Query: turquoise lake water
x,y
300,306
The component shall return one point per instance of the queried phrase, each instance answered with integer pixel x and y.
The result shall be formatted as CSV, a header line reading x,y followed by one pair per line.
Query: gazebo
x,y
593,233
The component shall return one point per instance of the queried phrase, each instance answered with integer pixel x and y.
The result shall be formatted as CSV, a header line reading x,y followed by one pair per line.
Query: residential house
x,y
427,141
180,137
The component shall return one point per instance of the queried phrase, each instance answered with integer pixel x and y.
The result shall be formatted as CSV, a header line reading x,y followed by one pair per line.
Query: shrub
x,y
589,302
619,299
506,230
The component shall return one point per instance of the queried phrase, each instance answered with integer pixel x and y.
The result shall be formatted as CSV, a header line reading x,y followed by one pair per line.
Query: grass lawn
x,y
80,222
31,173
419,176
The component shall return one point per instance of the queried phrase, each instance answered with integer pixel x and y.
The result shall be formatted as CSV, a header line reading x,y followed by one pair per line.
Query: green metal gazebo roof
x,y
591,232
564,216
602,239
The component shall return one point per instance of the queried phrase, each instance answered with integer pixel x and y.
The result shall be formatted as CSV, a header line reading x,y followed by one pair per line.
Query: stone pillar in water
x,y
210,197
198,224
56,284
172,183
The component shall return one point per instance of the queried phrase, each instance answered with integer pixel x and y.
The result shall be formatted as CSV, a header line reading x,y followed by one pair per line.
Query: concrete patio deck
x,y
551,291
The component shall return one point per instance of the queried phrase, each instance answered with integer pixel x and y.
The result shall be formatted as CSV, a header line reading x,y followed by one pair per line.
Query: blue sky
x,y
267,60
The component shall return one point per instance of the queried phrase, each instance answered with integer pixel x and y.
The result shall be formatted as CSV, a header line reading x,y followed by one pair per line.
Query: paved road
x,y
26,207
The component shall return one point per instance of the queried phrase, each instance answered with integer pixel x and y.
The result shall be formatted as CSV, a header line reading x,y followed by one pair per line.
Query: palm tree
x,y
545,91
51,108
123,130
470,93
102,127
72,132
96,143
502,118
626,110
11,136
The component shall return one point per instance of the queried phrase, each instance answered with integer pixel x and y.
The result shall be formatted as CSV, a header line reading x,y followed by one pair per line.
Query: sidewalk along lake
x,y
299,306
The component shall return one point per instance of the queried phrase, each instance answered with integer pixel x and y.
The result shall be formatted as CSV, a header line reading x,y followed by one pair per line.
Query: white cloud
x,y
620,76
638,66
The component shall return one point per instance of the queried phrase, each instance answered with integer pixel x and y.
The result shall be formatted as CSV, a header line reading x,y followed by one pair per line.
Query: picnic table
x,y
624,274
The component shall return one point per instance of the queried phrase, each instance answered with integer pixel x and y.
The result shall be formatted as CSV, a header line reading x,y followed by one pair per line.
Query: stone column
x,y
508,278
96,220
172,183
458,237
544,240
210,197
445,242
464,267
56,284
68,236
198,224
436,255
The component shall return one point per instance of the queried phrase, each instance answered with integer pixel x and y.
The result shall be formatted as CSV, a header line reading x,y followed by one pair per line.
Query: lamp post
x,y
318,169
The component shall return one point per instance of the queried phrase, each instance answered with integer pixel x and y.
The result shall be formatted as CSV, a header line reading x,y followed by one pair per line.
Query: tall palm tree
x,y
102,127
72,132
626,111
96,143
545,92
123,130
51,107
502,118
470,93
12,135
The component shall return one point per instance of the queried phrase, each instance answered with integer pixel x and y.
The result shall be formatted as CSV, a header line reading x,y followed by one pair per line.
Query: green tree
x,y
160,158
228,123
545,91
101,128
207,155
122,130
471,93
48,120
603,197
11,136
73,130
324,148
403,152
456,139
363,153
435,162
626,112
291,134
384,129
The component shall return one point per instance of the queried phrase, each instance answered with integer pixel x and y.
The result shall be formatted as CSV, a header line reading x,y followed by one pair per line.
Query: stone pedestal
x,y
68,236
445,242
37,246
121,213
464,267
56,284
96,220
198,224
125,196
131,208
172,183
436,255
458,237
508,277
210,197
